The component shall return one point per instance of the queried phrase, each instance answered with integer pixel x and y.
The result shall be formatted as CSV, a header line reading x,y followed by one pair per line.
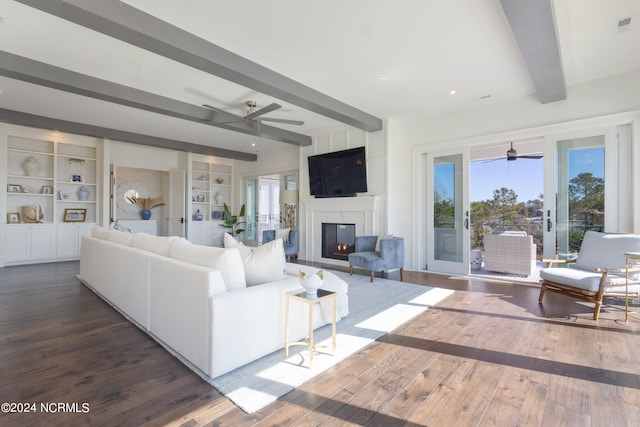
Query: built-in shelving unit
x,y
211,188
57,181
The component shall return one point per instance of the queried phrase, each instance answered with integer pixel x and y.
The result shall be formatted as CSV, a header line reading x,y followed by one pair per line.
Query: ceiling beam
x,y
41,122
28,70
128,24
534,27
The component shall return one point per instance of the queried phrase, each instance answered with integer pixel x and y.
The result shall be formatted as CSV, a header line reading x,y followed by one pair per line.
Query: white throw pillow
x,y
156,244
99,232
227,261
262,264
382,237
283,233
120,237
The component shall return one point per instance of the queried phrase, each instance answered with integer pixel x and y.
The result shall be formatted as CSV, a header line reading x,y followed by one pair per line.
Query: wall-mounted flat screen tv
x,y
338,174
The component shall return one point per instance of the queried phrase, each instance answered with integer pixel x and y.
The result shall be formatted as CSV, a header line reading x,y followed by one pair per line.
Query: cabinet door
x,y
149,226
16,247
67,242
42,242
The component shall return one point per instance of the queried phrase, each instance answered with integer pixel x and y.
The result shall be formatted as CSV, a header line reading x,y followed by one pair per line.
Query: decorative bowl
x,y
311,282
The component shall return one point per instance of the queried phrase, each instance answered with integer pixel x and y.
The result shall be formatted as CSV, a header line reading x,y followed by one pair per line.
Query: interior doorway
x,y
264,209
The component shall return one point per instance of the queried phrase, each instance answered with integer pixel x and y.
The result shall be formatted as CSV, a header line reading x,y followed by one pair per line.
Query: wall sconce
x,y
289,198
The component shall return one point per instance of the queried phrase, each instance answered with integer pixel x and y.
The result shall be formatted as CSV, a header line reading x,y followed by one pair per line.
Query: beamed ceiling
x,y
141,70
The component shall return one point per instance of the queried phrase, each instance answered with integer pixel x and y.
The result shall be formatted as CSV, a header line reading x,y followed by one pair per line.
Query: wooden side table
x,y
301,295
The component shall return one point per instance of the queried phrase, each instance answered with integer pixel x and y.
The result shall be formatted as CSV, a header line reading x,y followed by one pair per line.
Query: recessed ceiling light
x,y
452,92
253,144
383,78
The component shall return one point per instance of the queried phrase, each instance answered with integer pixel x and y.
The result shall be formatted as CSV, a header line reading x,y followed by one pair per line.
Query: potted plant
x,y
146,204
231,222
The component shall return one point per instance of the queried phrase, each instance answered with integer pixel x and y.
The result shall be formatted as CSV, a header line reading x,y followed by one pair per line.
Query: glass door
x,y
581,191
268,205
251,209
448,212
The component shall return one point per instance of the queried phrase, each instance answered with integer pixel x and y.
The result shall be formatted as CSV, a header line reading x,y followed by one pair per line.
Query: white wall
x,y
586,106
377,184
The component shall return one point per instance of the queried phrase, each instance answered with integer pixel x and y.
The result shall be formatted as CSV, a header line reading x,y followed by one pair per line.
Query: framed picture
x,y
47,189
14,188
13,218
75,215
64,195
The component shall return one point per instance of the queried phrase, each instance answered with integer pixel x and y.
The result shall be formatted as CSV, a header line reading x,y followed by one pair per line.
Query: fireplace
x,y
338,240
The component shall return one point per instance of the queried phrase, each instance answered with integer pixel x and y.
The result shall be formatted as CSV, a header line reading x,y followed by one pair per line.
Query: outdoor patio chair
x,y
597,272
510,252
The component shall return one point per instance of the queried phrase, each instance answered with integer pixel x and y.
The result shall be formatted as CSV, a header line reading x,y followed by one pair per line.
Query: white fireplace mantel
x,y
361,211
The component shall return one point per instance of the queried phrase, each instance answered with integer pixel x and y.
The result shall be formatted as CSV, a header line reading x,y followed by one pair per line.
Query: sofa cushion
x,y
262,264
99,232
602,250
227,261
581,279
156,244
120,237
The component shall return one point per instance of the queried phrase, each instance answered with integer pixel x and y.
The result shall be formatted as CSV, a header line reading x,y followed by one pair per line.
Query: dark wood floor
x,y
487,355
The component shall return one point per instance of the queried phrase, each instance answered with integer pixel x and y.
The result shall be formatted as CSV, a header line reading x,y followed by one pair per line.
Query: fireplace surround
x,y
362,211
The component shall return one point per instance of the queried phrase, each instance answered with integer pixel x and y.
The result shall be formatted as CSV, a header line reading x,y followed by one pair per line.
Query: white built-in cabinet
x,y
211,187
60,179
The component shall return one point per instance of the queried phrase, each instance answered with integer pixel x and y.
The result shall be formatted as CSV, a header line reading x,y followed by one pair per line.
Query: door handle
x,y
182,220
466,220
549,224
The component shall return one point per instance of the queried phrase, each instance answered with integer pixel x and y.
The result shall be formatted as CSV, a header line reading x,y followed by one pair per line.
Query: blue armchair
x,y
290,248
391,254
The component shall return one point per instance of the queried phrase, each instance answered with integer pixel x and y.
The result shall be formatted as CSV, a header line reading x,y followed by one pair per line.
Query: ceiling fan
x,y
254,115
512,154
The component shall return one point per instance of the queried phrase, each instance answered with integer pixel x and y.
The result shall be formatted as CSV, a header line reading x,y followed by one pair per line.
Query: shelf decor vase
x,y
145,214
83,193
31,165
219,198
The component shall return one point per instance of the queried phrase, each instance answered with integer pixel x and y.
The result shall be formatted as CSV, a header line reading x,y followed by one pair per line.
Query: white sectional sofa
x,y
194,299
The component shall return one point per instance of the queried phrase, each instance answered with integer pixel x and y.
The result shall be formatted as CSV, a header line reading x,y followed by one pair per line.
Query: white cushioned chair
x,y
597,272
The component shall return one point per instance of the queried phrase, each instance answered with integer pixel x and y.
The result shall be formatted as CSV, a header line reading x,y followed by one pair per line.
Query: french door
x,y
262,207
581,189
448,212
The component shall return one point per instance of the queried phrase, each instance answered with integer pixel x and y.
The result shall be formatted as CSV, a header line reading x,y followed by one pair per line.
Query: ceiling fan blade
x,y
533,156
269,108
211,107
226,117
290,122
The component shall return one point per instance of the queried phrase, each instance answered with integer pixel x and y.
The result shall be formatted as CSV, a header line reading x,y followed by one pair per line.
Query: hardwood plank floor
x,y
487,355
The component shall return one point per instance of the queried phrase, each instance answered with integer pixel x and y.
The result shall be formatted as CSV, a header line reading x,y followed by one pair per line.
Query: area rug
x,y
374,309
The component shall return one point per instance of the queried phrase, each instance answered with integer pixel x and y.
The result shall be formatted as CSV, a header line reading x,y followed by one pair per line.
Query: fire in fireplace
x,y
338,240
